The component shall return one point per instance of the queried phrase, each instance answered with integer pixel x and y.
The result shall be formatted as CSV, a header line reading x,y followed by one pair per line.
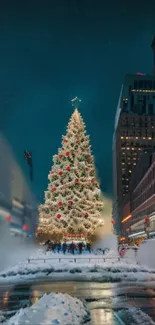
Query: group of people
x,y
73,248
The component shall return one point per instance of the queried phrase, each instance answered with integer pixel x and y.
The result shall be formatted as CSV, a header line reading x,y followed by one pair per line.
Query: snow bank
x,y
56,309
80,268
135,316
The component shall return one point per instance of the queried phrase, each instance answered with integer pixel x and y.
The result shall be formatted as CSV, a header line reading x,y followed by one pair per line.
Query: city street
x,y
108,302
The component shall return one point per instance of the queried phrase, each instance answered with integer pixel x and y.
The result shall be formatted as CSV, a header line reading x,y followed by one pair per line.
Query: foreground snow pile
x,y
56,309
83,268
135,316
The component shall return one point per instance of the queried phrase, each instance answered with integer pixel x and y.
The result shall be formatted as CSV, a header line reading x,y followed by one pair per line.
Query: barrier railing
x,y
75,259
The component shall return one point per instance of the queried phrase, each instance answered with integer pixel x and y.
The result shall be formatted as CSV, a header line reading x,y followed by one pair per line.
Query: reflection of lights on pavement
x,y
5,298
35,296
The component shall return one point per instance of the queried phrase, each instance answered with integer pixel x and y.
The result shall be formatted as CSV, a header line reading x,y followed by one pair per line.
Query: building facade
x,y
134,132
16,199
139,219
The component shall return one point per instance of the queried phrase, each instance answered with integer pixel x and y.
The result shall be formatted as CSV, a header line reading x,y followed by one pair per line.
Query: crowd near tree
x,y
64,247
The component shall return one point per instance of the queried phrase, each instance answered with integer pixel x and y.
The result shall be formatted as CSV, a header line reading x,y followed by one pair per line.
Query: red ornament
x,y
70,202
51,173
86,214
58,216
9,218
78,142
53,188
65,140
113,221
60,173
25,227
93,180
146,219
76,180
67,153
60,204
68,168
87,169
60,156
78,164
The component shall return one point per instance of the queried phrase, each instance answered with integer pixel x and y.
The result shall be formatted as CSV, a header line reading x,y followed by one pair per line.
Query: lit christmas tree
x,y
73,202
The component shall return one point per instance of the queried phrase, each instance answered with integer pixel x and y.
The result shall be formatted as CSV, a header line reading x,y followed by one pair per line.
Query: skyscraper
x,y
134,131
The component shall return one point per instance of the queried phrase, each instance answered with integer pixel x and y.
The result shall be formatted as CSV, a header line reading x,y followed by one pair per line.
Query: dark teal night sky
x,y
52,51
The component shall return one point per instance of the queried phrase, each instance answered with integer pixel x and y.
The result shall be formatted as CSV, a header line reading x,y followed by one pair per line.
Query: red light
x,y
9,218
146,219
25,227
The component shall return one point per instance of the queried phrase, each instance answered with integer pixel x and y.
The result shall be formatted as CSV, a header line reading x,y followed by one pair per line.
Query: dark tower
x,y
153,48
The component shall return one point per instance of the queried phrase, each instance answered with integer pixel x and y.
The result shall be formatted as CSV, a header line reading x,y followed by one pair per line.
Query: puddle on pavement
x,y
104,300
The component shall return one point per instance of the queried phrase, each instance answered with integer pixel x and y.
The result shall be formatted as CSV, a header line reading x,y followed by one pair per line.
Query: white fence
x,y
76,259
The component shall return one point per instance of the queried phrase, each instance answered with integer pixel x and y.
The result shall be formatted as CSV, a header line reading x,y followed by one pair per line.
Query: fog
x,y
109,241
107,215
145,254
14,249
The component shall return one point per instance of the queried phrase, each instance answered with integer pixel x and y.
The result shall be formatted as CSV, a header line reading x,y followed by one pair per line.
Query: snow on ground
x,y
88,267
56,309
134,316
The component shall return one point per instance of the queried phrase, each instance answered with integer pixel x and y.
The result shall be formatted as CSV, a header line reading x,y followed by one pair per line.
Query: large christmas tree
x,y
73,202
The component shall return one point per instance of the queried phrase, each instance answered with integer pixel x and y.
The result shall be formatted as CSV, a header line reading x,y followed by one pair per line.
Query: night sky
x,y
54,50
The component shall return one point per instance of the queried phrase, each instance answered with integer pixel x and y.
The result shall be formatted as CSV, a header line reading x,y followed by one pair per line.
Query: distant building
x,y
134,131
139,218
17,202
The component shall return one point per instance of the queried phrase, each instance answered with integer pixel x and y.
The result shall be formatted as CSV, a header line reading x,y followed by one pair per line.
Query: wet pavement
x,y
104,300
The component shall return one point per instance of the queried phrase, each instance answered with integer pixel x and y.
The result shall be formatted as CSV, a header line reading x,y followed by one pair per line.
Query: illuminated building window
x,y
128,148
144,138
127,137
136,137
123,163
134,164
122,137
149,138
130,171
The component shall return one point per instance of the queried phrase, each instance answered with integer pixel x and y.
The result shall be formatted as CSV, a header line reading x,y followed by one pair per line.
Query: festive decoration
x,y
72,190
9,218
51,173
113,221
65,140
25,228
146,220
